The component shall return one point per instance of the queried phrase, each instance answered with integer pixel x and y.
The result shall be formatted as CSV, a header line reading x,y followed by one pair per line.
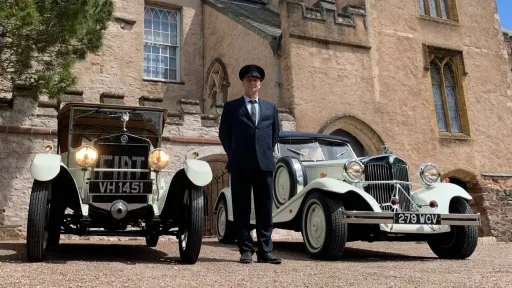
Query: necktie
x,y
253,110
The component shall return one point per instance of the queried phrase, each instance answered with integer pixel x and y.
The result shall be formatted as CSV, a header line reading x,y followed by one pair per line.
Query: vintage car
x,y
108,177
324,191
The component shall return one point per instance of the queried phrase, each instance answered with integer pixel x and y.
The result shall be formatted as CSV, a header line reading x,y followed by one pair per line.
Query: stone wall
x,y
235,49
376,72
28,125
493,200
119,65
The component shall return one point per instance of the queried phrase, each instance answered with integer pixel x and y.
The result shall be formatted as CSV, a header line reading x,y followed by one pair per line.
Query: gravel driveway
x,y
130,264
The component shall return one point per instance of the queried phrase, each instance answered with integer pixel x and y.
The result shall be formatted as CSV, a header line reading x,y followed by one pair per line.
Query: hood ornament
x,y
386,149
125,117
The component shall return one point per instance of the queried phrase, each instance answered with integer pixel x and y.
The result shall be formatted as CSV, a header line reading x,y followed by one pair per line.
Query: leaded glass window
x,y
161,44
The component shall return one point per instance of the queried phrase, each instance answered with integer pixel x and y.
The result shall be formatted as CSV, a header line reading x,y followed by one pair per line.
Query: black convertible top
x,y
310,135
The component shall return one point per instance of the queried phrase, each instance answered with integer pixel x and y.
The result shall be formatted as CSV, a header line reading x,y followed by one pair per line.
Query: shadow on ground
x,y
122,253
295,250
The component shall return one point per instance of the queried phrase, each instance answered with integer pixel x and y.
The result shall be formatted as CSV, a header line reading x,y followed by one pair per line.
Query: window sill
x,y
440,20
162,81
455,136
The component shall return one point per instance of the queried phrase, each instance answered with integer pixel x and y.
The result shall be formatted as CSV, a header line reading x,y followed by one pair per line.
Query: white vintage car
x,y
332,197
108,178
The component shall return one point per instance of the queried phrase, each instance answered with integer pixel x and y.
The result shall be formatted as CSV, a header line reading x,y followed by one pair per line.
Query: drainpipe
x,y
275,44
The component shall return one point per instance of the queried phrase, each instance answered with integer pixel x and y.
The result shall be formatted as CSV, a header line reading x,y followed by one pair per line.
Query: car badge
x,y
124,139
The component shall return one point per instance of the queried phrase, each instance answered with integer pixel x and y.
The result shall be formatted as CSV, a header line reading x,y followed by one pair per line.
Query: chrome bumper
x,y
407,218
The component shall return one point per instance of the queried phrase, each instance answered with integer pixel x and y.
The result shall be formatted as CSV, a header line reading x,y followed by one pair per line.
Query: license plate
x,y
417,218
120,187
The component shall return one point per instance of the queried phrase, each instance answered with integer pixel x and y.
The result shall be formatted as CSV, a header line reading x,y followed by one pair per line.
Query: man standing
x,y
249,130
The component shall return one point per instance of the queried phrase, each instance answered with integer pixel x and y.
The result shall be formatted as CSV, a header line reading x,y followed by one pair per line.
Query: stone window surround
x,y
168,9
451,8
457,58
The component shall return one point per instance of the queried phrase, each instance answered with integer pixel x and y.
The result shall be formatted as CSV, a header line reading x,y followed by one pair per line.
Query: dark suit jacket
x,y
240,137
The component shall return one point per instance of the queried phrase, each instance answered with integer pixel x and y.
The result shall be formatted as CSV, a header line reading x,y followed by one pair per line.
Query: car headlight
x,y
429,174
159,159
86,156
354,170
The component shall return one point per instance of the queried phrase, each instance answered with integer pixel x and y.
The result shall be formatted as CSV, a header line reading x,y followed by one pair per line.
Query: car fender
x,y
49,167
225,194
45,167
323,185
442,193
199,172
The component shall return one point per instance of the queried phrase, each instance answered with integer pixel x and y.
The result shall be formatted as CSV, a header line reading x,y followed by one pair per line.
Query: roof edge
x,y
235,17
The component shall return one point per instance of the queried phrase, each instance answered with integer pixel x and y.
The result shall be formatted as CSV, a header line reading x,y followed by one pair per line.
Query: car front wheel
x,y
190,232
324,233
461,241
37,222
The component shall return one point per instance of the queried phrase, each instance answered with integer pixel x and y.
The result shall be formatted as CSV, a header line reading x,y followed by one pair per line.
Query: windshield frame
x,y
67,123
310,140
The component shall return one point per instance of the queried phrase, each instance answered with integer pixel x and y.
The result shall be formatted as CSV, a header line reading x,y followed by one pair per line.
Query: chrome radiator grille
x,y
383,192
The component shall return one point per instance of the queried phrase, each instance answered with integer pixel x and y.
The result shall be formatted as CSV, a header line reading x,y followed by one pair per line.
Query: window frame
x,y
459,72
178,45
451,7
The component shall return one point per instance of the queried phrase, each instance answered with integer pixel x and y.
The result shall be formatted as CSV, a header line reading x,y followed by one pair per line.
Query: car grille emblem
x,y
124,139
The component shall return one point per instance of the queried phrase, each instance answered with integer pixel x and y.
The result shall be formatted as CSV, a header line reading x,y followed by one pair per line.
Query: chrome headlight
x,y
429,174
159,159
354,170
86,156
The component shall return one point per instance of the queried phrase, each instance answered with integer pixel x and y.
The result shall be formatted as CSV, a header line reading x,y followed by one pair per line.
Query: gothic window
x,y
445,75
444,9
161,44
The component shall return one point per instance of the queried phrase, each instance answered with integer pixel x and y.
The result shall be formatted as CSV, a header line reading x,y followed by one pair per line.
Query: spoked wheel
x,y
190,232
225,228
37,222
461,241
323,231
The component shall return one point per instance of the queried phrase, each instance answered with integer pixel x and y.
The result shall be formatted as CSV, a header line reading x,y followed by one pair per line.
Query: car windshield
x,y
315,149
89,124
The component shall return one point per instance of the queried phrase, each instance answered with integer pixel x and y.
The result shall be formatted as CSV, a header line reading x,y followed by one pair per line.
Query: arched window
x,y
447,92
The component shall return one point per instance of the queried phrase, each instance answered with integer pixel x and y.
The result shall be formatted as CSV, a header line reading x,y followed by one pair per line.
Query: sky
x,y
505,12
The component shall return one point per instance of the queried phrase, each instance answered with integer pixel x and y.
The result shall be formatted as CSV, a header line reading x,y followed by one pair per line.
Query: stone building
x,y
428,78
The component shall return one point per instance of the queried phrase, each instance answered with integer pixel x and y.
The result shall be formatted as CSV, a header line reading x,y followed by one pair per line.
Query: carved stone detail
x,y
216,87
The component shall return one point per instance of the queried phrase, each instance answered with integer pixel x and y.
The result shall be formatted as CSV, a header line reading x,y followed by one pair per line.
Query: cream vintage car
x,y
332,197
108,178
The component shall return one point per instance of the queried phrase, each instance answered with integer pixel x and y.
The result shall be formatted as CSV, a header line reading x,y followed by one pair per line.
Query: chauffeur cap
x,y
251,70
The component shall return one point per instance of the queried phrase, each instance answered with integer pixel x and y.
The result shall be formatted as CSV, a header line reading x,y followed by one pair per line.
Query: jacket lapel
x,y
262,111
245,109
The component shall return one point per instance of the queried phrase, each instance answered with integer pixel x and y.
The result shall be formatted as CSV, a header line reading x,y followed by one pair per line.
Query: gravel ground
x,y
131,264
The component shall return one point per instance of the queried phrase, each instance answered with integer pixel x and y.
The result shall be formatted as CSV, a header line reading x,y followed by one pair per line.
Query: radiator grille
x,y
133,154
383,192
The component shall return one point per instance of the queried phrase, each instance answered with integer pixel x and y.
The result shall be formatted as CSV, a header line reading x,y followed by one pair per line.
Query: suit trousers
x,y
261,181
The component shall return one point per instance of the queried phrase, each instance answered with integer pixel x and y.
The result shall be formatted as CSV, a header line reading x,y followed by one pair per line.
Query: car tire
x,y
190,230
461,241
323,231
286,179
152,240
225,228
37,220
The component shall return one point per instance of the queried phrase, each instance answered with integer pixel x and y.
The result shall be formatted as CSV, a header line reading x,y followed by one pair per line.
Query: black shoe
x,y
268,258
246,257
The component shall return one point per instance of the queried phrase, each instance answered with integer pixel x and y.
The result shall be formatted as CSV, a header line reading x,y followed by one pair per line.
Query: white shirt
x,y
249,106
